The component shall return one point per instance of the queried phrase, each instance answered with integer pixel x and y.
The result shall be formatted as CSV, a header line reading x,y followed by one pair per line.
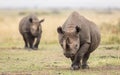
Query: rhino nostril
x,y
69,55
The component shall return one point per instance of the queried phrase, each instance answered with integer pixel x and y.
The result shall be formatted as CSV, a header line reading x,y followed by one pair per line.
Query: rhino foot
x,y
26,47
35,48
85,67
75,67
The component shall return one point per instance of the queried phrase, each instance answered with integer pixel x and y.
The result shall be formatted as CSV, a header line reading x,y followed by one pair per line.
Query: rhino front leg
x,y
31,41
75,65
25,40
37,42
84,61
80,54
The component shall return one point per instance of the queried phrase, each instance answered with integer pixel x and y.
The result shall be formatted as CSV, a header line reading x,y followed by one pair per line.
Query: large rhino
x,y
30,28
78,38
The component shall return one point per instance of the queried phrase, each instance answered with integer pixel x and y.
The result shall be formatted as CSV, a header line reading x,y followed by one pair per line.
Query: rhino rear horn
x,y
77,29
60,31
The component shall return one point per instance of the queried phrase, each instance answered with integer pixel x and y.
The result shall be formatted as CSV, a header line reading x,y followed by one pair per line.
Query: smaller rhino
x,y
30,28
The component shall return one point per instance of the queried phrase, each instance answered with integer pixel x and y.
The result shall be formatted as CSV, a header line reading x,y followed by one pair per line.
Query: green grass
x,y
49,60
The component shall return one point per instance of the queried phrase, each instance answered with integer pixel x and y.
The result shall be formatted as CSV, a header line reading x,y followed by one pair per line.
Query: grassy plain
x,y
49,60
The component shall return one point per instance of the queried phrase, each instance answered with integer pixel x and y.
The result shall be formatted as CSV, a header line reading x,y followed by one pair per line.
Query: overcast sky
x,y
60,3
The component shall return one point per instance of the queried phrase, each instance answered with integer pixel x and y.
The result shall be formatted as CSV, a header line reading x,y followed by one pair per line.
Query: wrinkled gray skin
x,y
78,38
30,28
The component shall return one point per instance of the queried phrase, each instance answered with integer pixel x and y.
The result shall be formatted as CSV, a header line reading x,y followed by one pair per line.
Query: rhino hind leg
x,y
84,61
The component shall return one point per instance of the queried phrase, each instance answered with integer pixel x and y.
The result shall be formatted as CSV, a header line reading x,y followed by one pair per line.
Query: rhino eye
x,y
76,45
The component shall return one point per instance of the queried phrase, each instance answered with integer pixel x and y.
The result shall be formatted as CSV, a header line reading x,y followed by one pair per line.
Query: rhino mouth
x,y
68,55
35,34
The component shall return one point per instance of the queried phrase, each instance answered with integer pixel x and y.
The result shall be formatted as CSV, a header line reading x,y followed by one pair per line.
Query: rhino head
x,y
69,41
35,26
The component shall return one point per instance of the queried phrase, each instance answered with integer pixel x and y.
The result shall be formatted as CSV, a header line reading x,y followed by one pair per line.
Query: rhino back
x,y
71,22
90,33
24,25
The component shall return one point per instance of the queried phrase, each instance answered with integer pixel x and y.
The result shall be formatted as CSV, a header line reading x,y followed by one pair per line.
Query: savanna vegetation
x,y
49,60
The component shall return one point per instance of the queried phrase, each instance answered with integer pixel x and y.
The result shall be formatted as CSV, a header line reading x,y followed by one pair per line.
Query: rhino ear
x,y
31,20
41,20
77,29
60,31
